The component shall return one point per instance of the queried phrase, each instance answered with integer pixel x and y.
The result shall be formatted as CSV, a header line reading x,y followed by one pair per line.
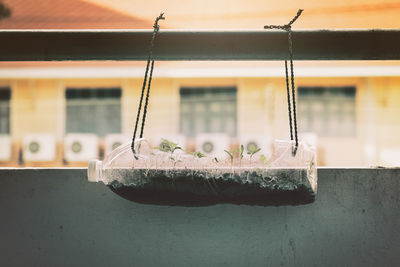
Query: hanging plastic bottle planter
x,y
167,175
169,178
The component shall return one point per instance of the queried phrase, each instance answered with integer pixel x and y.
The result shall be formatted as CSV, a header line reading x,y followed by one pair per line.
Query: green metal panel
x,y
47,45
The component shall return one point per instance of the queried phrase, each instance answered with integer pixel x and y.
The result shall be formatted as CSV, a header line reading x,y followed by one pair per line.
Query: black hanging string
x,y
147,98
149,59
288,100
292,123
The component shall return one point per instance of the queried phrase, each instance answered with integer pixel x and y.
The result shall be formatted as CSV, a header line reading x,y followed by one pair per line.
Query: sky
x,y
254,14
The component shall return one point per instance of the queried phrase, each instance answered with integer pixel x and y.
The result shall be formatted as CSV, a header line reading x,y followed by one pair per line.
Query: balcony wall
x,y
54,217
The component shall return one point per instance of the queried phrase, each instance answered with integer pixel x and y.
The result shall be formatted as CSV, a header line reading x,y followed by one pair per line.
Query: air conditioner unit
x,y
179,139
254,141
213,144
81,147
5,151
39,147
112,141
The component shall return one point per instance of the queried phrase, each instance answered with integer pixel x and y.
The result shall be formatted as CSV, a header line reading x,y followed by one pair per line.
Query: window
x,y
327,111
93,110
5,95
208,110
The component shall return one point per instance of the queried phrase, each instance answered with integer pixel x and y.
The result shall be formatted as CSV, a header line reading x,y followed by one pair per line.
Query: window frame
x,y
92,101
208,92
6,103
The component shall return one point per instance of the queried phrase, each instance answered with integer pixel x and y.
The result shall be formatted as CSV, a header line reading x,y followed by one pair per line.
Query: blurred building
x,y
349,109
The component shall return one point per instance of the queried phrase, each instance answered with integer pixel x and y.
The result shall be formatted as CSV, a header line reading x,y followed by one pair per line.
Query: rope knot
x,y
286,27
156,26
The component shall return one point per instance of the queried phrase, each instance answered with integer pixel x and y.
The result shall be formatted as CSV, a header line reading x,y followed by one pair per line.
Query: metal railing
x,y
49,45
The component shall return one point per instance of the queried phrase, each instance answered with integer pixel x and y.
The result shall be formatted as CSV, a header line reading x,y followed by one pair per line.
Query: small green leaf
x,y
216,160
229,153
241,151
197,154
163,147
200,155
253,151
171,144
168,146
251,148
176,148
263,159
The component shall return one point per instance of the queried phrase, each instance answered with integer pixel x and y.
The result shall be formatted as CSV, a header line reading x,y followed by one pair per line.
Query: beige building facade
x,y
39,106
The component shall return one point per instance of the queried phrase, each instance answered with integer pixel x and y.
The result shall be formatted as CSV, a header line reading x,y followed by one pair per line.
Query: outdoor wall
x,y
163,110
387,118
54,217
34,107
263,109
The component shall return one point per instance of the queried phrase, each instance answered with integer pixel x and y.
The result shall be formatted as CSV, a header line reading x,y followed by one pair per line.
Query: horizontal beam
x,y
50,45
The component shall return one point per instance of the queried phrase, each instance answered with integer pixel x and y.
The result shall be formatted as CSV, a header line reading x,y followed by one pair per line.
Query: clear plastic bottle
x,y
173,177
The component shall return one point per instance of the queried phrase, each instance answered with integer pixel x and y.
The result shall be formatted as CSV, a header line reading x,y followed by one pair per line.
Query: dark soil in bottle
x,y
189,188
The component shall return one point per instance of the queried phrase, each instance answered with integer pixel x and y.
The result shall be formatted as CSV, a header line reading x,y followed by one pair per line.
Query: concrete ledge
x,y
54,217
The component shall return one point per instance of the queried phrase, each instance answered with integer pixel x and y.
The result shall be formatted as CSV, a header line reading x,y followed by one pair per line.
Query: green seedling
x,y
236,152
168,146
241,155
253,150
264,160
171,147
216,160
197,154
175,160
230,154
